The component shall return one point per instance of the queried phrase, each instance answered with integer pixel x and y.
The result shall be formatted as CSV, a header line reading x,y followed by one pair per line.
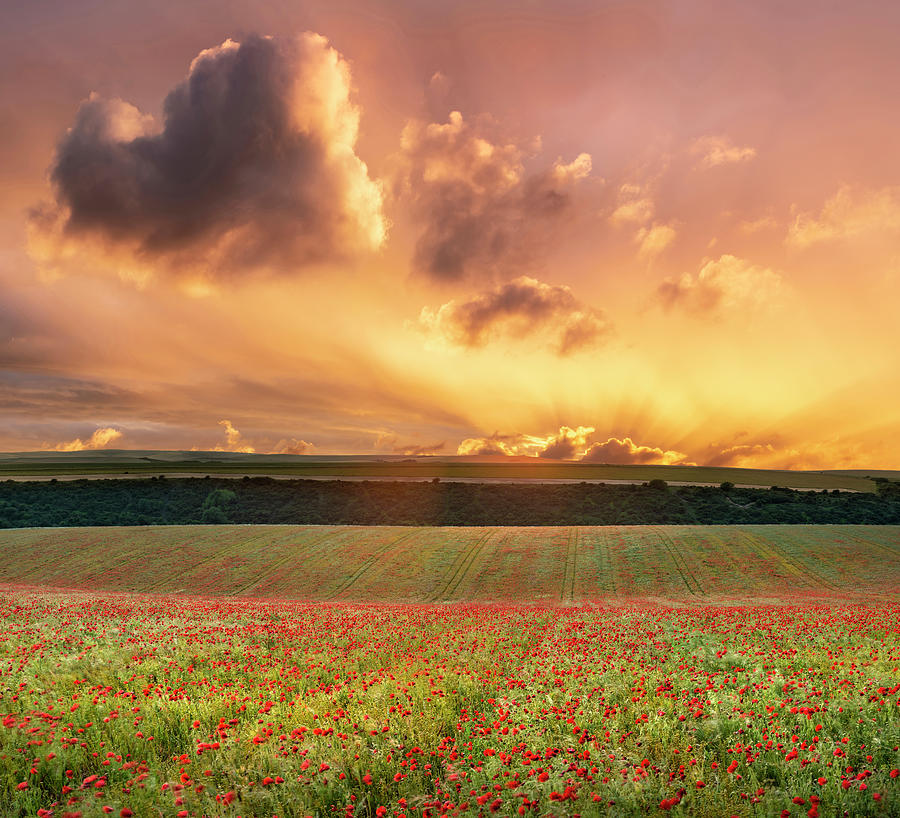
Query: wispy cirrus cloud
x,y
420,449
848,214
720,150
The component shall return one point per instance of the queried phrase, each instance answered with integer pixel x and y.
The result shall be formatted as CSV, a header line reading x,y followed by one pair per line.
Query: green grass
x,y
548,565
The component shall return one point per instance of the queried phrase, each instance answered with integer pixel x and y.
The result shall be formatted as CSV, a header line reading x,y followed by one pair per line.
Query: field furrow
x,y
550,565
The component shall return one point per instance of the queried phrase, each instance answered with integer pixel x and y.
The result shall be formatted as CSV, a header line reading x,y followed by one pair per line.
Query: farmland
x,y
50,464
388,671
553,565
180,707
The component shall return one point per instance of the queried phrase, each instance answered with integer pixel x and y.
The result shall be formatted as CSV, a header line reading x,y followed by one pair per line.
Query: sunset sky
x,y
639,232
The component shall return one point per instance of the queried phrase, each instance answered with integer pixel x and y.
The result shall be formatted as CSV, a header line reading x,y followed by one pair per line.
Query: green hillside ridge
x,y
121,462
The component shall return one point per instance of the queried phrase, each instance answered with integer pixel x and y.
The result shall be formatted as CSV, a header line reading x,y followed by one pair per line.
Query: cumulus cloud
x,y
234,440
567,443
720,150
571,444
100,439
505,444
625,451
724,284
635,208
523,307
254,167
653,240
292,445
848,214
495,444
479,211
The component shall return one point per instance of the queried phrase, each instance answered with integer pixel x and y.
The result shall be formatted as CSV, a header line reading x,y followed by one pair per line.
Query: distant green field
x,y
428,564
49,464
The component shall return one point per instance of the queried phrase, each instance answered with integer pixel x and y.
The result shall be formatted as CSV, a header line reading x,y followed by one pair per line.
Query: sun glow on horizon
x,y
344,239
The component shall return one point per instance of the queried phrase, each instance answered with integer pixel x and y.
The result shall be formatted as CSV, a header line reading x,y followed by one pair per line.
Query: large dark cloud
x,y
479,211
254,167
518,309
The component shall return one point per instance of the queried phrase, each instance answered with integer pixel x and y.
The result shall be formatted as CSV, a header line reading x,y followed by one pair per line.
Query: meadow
x,y
392,672
146,706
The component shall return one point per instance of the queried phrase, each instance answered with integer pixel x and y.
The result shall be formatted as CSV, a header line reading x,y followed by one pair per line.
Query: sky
x,y
639,232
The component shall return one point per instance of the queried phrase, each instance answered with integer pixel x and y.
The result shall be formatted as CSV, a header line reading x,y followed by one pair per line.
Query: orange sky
x,y
643,232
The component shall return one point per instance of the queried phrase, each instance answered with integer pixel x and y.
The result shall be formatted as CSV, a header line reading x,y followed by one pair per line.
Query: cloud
x,y
848,214
511,445
725,284
616,451
28,338
803,455
654,240
291,445
633,207
636,209
720,150
744,454
520,308
253,168
100,439
571,444
234,441
566,444
756,225
416,449
479,211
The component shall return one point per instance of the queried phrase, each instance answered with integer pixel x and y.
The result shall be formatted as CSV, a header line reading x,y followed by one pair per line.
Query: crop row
x,y
401,563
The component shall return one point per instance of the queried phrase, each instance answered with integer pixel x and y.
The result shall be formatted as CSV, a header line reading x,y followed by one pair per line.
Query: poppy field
x,y
131,705
422,564
393,672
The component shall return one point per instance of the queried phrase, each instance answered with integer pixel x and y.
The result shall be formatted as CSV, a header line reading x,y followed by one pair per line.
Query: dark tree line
x,y
170,501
